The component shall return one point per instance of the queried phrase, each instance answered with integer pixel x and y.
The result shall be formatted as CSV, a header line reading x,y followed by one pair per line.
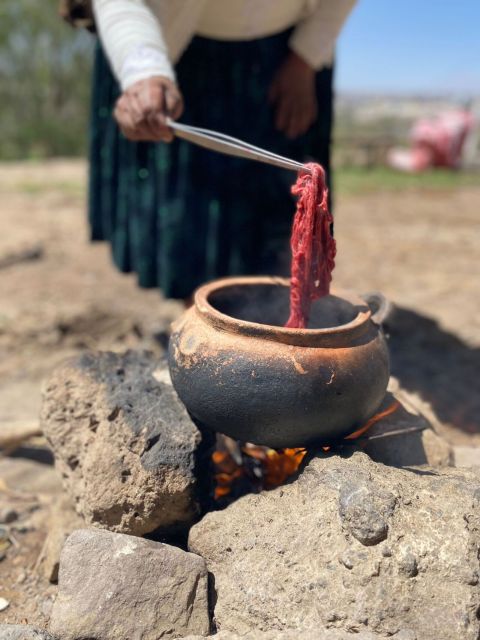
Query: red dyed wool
x,y
313,246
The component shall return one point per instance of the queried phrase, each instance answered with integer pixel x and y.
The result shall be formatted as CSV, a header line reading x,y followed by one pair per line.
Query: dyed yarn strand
x,y
313,246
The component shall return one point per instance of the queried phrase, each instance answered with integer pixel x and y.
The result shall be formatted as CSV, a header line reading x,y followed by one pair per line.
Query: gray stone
x,y
118,587
466,456
125,446
63,520
317,634
23,632
7,515
416,440
351,545
364,511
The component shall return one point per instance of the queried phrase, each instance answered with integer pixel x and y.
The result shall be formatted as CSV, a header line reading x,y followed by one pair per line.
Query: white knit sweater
x,y
145,38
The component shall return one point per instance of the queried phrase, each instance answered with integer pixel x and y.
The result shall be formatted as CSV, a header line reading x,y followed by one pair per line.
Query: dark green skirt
x,y
178,215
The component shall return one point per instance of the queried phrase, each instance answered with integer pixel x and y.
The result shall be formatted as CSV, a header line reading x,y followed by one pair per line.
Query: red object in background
x,y
436,142
312,243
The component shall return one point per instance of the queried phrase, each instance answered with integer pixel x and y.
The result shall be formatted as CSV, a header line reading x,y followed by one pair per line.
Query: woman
x,y
259,70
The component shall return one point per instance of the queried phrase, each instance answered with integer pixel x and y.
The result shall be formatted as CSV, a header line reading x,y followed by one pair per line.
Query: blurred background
x,y
407,223
395,66
407,217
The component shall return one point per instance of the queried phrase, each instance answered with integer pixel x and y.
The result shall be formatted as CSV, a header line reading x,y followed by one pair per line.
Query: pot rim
x,y
301,337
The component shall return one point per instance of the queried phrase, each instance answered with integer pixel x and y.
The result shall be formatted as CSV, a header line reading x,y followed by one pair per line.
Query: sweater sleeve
x,y
133,40
314,38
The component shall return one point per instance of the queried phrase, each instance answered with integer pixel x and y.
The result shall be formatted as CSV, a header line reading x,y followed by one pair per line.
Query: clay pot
x,y
240,372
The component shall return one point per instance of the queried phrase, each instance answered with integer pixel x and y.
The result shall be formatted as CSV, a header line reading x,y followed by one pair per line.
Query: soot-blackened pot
x,y
239,371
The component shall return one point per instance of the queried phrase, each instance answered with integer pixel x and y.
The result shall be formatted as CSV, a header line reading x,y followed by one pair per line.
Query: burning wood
x,y
253,469
248,468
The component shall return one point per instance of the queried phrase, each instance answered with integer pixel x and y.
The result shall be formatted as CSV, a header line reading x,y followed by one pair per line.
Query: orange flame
x,y
228,472
277,465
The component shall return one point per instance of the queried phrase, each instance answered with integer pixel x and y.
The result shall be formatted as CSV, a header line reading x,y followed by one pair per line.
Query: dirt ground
x,y
60,295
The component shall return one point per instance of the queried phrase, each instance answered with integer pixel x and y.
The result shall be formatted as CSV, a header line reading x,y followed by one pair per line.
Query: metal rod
x,y
222,143
388,434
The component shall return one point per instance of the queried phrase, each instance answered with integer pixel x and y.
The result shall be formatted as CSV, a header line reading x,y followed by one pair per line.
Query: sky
x,y
411,46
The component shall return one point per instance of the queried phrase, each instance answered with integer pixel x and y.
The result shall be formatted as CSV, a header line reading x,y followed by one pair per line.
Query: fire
x,y
263,468
272,469
277,465
228,472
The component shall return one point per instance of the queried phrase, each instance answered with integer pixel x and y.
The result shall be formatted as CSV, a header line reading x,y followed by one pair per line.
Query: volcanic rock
x,y
124,444
118,587
415,438
350,545
7,515
63,521
466,456
23,632
317,634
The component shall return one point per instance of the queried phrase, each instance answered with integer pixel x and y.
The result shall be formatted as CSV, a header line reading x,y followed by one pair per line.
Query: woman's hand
x,y
293,95
142,110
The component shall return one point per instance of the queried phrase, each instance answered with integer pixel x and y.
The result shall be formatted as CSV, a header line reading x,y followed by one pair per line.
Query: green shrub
x,y
44,82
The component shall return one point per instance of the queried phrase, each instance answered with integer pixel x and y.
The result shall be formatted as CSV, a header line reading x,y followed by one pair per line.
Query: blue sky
x,y
422,46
